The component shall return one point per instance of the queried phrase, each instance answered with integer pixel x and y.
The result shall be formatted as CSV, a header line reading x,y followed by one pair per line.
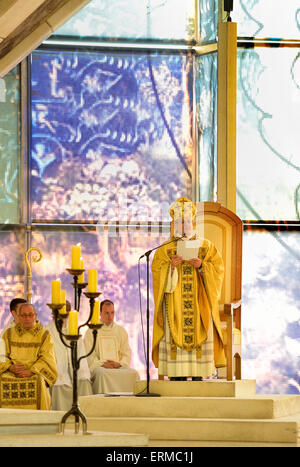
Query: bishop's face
x,y
183,227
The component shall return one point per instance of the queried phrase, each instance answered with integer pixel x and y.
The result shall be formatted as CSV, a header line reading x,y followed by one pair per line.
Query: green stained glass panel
x,y
12,269
208,19
206,105
9,147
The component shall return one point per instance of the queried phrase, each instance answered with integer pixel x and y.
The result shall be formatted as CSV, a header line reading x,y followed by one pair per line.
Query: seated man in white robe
x,y
109,362
62,391
14,308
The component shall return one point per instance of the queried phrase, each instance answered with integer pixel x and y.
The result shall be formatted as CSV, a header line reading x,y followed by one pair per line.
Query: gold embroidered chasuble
x,y
189,307
34,349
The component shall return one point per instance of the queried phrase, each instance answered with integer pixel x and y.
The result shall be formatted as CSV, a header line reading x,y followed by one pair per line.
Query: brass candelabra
x,y
73,342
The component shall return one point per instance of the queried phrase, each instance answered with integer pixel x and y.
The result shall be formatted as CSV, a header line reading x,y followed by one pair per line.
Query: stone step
x,y
209,388
255,407
283,430
20,421
70,439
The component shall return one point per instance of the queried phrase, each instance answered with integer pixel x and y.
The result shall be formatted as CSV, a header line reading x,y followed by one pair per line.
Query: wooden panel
x,y
227,77
20,51
17,14
29,24
6,5
25,24
228,225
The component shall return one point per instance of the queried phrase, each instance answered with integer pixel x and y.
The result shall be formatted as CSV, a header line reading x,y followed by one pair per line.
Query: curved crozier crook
x,y
35,259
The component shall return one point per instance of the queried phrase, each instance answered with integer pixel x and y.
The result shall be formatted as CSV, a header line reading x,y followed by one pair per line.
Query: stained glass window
x,y
268,191
12,269
208,19
206,111
270,323
268,134
9,147
109,128
267,18
133,19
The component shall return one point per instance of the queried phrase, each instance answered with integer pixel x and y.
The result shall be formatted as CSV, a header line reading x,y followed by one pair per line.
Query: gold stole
x,y
185,298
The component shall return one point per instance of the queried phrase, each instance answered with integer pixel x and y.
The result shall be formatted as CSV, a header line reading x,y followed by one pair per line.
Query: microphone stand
x,y
147,255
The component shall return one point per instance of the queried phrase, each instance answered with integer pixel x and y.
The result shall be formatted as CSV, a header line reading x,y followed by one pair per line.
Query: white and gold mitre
x,y
183,208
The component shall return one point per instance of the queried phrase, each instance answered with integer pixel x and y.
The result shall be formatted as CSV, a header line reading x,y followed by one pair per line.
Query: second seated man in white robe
x,y
14,308
110,361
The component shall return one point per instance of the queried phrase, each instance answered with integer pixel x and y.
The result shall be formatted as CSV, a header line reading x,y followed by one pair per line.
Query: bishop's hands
x,y
176,260
196,262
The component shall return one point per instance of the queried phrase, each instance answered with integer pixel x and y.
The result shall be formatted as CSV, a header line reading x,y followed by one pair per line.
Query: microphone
x,y
162,244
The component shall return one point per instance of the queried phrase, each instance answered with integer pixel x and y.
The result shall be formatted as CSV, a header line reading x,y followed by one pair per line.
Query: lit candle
x,y
76,255
63,300
81,276
92,280
73,323
56,292
96,313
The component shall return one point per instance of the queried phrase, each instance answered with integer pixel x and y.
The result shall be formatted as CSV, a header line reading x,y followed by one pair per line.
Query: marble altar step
x,y
221,411
20,421
70,439
209,388
255,407
40,428
280,430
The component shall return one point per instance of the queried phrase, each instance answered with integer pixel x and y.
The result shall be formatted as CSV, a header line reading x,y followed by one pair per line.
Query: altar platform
x,y
209,413
199,413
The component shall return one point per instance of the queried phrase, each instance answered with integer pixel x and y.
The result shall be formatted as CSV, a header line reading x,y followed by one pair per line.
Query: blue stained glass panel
x,y
107,126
